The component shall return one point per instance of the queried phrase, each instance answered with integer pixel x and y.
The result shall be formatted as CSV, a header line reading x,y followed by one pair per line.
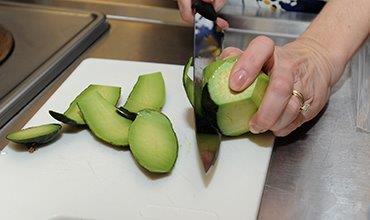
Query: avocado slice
x,y
148,93
72,115
208,71
153,141
103,120
232,111
187,82
36,135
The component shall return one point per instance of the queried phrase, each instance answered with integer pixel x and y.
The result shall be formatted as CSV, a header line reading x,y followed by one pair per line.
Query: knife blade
x,y
207,46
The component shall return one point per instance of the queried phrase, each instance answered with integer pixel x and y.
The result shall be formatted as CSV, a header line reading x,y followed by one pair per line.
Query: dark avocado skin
x,y
126,113
62,118
39,140
209,108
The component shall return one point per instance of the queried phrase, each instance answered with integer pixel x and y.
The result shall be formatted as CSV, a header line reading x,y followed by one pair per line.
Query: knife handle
x,y
205,9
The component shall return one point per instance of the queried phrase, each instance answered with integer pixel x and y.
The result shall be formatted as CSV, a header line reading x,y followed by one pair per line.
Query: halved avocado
x,y
73,115
148,93
153,141
208,71
103,120
230,110
36,135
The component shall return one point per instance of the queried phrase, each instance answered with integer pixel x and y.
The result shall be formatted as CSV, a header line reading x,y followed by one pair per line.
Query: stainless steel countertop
x,y
318,172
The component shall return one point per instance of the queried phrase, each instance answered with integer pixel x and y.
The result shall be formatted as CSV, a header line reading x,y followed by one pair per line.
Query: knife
x,y
207,46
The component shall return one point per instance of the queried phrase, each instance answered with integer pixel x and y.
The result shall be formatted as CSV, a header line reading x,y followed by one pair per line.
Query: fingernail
x,y
238,79
255,129
223,24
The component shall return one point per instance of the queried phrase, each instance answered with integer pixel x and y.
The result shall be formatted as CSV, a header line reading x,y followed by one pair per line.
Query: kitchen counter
x,y
318,172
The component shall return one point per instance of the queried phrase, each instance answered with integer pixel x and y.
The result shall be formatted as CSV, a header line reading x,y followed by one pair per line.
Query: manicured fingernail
x,y
255,129
238,79
223,24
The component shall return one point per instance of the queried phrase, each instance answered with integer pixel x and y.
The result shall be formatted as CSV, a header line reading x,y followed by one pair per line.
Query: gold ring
x,y
304,106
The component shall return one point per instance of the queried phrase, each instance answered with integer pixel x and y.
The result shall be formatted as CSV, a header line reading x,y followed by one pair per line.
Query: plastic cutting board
x,y
79,177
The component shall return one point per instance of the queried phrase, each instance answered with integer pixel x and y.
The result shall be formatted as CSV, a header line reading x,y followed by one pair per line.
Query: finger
x,y
230,51
222,23
186,11
251,62
276,98
291,127
290,114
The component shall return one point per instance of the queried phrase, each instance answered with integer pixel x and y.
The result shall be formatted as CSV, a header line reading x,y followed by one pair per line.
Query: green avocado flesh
x,y
35,135
234,110
73,115
187,82
148,93
208,71
153,141
103,120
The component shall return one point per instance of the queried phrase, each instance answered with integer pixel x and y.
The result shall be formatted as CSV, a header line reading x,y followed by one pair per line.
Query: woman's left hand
x,y
302,65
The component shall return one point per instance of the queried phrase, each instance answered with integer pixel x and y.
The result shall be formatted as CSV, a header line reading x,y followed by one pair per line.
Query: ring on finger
x,y
304,106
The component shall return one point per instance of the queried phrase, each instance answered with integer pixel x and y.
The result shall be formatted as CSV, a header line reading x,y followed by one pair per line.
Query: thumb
x,y
250,63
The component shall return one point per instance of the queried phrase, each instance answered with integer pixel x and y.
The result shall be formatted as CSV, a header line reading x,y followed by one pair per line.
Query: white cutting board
x,y
79,177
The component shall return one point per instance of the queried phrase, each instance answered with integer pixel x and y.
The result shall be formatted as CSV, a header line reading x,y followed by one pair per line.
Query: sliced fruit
x,y
230,110
148,93
187,82
35,135
211,68
103,120
208,71
153,141
73,115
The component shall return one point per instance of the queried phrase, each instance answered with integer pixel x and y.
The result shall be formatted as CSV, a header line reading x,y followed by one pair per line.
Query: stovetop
x,y
6,43
46,40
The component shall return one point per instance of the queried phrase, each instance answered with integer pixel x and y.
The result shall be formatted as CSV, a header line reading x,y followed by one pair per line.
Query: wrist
x,y
333,57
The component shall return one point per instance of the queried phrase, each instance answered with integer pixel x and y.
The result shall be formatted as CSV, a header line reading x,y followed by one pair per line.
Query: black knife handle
x,y
205,9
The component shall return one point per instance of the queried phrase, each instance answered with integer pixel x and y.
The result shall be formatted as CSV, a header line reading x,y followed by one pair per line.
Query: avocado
x,y
148,93
153,141
104,122
72,115
36,135
229,111
187,82
234,110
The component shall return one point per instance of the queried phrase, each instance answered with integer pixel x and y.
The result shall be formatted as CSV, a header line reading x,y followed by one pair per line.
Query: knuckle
x,y
281,86
185,17
288,65
264,122
268,42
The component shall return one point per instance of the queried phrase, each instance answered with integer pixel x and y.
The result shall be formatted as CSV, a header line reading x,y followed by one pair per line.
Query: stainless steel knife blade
x,y
207,46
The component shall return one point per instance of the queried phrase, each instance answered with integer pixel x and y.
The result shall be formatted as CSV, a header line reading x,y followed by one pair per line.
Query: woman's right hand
x,y
187,12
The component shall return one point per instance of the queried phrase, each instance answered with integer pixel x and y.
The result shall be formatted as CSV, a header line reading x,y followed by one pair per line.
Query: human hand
x,y
187,13
303,65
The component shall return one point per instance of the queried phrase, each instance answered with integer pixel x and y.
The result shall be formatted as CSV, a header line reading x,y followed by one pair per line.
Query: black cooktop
x,y
46,40
6,43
